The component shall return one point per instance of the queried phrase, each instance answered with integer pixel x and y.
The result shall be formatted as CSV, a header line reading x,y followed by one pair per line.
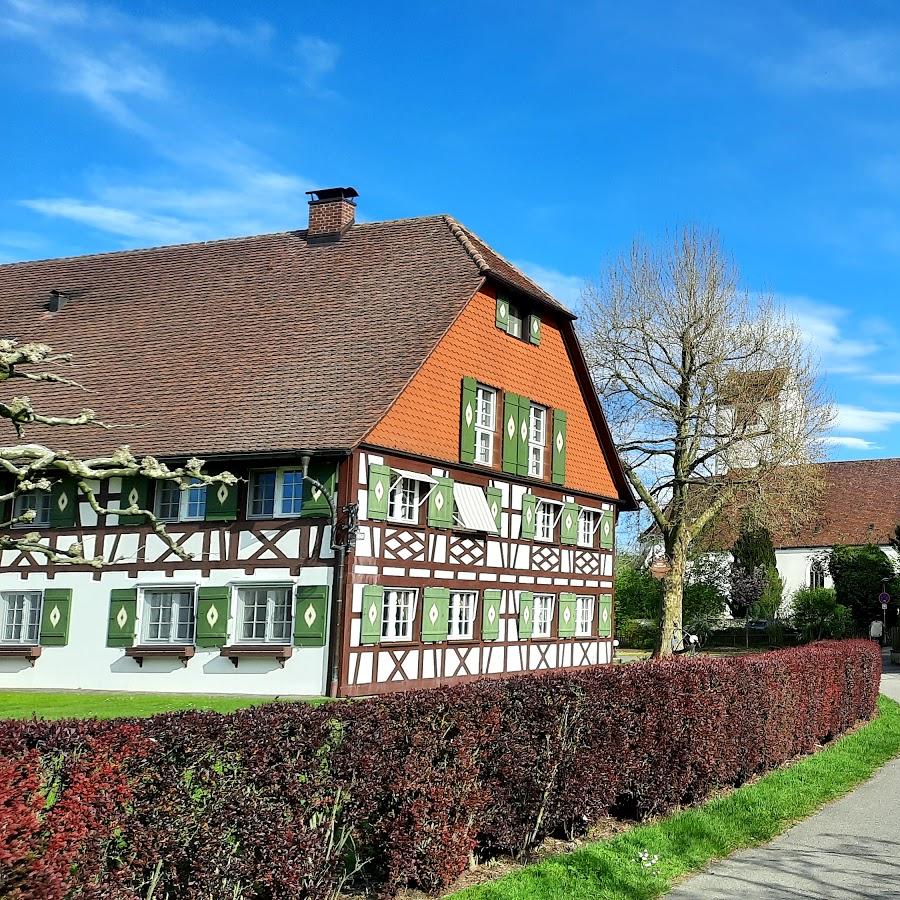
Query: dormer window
x,y
517,322
514,326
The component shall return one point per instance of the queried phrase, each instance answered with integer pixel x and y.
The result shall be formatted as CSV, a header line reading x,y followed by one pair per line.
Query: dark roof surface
x,y
257,344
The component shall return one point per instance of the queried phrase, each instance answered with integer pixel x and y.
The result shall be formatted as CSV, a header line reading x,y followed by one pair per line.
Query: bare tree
x,y
711,394
32,468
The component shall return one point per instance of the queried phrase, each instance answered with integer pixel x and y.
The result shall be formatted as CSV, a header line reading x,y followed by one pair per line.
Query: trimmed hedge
x,y
289,800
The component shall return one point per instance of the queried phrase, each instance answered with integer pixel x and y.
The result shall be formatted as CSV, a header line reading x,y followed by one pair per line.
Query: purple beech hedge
x,y
289,800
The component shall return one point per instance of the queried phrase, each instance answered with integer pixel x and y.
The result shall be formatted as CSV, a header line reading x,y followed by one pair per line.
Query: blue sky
x,y
558,132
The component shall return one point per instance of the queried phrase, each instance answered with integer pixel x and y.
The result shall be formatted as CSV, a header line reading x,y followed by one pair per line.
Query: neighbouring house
x,y
428,488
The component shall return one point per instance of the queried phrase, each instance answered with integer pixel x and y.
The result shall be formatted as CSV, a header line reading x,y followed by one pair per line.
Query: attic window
x,y
57,301
517,323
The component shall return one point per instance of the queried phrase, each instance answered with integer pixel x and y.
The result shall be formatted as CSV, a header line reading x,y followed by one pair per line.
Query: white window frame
x,y
585,515
391,606
515,315
582,601
539,520
278,499
42,507
537,448
454,633
486,432
144,613
31,619
816,566
543,615
240,606
397,486
183,502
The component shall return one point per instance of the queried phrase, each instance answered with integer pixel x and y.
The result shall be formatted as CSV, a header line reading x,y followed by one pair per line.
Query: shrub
x,y
638,634
288,800
638,594
816,614
858,574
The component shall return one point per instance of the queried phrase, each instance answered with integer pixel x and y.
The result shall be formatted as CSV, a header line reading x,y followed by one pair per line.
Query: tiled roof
x,y
257,344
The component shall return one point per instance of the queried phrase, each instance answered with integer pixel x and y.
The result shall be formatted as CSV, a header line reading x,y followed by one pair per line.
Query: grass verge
x,y
109,705
687,841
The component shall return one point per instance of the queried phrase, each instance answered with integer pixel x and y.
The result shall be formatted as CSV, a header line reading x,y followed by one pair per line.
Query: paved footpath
x,y
849,849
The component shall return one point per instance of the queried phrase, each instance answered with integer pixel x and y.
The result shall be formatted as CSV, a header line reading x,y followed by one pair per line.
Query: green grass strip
x,y
687,841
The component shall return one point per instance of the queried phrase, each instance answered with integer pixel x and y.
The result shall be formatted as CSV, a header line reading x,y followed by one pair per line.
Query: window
x,y
262,494
265,614
543,614
584,616
404,502
169,616
462,614
291,492
816,574
397,612
21,616
537,439
485,425
587,527
175,505
546,519
276,492
515,321
39,501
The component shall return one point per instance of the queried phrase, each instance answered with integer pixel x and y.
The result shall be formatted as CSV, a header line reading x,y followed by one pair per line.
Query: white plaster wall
x,y
86,662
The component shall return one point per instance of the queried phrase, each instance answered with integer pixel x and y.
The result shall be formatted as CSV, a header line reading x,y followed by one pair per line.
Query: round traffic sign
x,y
885,598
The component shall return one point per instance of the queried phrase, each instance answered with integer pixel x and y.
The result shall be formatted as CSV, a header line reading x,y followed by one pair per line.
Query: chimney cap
x,y
322,195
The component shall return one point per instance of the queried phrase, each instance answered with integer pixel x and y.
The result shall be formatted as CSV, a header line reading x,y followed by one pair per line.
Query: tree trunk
x,y
673,593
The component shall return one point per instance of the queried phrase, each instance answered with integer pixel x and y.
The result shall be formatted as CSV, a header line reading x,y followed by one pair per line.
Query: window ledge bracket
x,y
29,652
183,652
237,652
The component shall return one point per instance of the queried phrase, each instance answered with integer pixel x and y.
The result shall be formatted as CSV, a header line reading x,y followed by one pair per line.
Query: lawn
x,y
109,705
687,841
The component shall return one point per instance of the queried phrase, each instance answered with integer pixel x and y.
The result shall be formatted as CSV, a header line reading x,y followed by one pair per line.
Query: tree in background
x,y
638,594
753,556
705,591
859,574
692,371
816,614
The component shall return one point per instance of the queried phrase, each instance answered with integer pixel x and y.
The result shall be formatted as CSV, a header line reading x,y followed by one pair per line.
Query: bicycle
x,y
684,641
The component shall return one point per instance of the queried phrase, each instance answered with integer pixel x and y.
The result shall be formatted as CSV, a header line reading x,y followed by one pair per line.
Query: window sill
x,y
29,652
139,653
237,652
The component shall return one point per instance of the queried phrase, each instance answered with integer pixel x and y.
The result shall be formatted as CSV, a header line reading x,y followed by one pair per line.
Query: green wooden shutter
x,y
526,615
435,611
534,329
55,614
522,437
495,504
213,607
529,516
569,523
135,492
440,504
559,446
468,416
502,318
221,502
607,529
511,433
63,503
379,491
314,502
490,616
122,617
604,615
566,625
373,597
310,615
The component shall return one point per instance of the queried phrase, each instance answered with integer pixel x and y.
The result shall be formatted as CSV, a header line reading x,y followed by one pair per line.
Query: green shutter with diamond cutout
x,y
559,446
604,616
221,502
468,415
495,505
310,615
511,433
526,615
63,503
607,529
534,329
502,318
569,523
379,491
529,516
440,504
213,605
566,625
370,630
490,616
522,439
314,502
122,617
435,612
55,613
135,492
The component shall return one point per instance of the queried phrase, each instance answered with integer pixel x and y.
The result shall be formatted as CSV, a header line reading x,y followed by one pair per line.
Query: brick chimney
x,y
331,212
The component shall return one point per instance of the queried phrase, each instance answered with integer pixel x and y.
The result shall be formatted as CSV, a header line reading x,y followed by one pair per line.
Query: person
x,y
876,630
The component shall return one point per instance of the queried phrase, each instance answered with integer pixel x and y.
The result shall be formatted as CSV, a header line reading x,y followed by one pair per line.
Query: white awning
x,y
472,508
414,476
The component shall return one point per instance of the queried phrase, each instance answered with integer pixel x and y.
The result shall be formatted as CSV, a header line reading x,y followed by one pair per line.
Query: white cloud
x,y
318,59
566,288
852,443
858,418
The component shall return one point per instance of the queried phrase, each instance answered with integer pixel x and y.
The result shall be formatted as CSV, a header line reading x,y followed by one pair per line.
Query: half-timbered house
x,y
428,489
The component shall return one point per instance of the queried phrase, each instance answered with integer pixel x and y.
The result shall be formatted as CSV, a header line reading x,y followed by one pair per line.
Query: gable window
x,y
175,505
21,611
543,614
275,492
537,439
485,424
584,615
515,321
462,614
39,501
816,574
168,616
587,527
264,614
404,501
397,612
546,521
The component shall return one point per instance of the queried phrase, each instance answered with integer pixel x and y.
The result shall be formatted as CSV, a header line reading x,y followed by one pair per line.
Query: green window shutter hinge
x,y
559,446
467,419
526,615
490,616
122,617
310,615
370,630
55,613
435,610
